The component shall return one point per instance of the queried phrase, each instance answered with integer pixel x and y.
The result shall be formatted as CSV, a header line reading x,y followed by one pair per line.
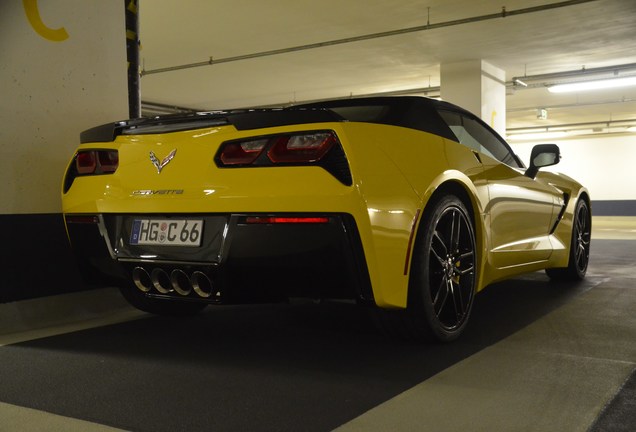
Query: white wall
x,y
606,165
52,89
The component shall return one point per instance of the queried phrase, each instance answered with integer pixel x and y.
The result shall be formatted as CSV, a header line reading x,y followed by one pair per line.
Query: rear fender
x,y
473,196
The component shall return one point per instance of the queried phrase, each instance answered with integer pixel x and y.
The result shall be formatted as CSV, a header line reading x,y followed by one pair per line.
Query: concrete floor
x,y
557,373
614,227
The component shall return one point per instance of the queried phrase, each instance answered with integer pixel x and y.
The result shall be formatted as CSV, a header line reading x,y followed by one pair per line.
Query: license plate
x,y
167,232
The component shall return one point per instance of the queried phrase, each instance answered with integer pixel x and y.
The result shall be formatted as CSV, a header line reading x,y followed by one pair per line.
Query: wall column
x,y
63,70
479,87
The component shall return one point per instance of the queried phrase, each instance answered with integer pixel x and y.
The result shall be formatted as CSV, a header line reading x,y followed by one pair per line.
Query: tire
x,y
579,246
442,278
160,306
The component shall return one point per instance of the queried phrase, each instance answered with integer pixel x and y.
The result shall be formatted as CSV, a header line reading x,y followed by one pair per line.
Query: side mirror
x,y
542,155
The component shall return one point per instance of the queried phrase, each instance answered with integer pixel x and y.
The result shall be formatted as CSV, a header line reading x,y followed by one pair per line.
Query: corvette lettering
x,y
158,192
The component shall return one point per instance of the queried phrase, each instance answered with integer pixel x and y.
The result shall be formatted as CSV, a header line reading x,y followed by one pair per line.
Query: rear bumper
x,y
243,261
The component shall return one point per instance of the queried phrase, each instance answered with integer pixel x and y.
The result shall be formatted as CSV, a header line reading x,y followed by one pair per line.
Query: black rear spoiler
x,y
240,119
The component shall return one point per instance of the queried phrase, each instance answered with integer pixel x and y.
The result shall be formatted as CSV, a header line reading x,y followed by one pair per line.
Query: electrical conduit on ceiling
x,y
503,14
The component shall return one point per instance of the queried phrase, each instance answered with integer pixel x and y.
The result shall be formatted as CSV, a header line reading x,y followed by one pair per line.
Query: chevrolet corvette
x,y
407,205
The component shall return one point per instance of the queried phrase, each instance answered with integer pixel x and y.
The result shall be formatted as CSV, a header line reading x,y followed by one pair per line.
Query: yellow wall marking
x,y
132,6
33,14
492,119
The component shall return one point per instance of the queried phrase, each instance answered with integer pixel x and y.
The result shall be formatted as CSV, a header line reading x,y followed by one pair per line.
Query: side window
x,y
456,125
476,136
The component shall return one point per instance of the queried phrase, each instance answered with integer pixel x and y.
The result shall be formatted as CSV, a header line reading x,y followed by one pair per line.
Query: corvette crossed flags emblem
x,y
164,162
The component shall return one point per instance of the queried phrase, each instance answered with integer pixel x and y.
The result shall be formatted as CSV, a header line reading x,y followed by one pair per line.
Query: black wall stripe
x,y
35,257
614,208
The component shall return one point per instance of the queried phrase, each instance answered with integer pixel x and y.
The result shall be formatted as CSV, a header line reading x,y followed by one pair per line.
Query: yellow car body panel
x,y
384,206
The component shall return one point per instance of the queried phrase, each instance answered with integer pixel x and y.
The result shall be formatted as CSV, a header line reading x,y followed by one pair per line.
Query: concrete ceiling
x,y
588,34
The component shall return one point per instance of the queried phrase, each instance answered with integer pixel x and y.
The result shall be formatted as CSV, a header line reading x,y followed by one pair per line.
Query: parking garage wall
x,y
62,70
604,164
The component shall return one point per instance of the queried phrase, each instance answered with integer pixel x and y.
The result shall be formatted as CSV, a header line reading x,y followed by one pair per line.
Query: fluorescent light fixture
x,y
631,129
517,81
593,85
534,136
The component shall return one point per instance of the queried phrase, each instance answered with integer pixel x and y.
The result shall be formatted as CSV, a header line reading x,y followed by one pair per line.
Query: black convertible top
x,y
414,112
407,111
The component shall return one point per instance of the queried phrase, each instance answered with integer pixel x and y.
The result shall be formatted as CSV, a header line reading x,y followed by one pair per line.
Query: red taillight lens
x,y
242,153
108,160
301,148
86,162
96,161
286,220
319,148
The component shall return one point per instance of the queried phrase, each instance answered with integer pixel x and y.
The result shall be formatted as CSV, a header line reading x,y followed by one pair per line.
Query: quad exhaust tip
x,y
180,282
141,279
176,281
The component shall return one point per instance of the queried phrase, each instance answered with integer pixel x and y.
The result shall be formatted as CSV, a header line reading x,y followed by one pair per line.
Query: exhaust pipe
x,y
202,284
161,281
180,282
141,278
177,281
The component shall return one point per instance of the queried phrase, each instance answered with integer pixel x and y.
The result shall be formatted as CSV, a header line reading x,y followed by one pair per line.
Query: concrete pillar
x,y
62,70
479,87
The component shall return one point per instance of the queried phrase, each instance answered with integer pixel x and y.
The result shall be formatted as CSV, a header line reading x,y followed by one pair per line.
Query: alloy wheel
x,y
452,268
582,236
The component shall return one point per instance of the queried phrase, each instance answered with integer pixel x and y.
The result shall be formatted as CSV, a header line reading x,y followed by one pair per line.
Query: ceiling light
x,y
631,129
517,81
593,85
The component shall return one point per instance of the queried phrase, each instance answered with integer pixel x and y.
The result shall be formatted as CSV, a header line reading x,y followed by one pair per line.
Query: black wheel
x,y
443,276
155,306
579,246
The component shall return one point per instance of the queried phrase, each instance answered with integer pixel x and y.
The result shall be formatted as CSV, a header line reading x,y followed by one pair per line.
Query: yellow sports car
x,y
406,204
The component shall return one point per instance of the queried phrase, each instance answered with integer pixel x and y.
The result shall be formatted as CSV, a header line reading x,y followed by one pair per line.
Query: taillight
x,y
96,162
269,220
298,149
108,160
301,148
91,162
242,153
320,148
86,162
